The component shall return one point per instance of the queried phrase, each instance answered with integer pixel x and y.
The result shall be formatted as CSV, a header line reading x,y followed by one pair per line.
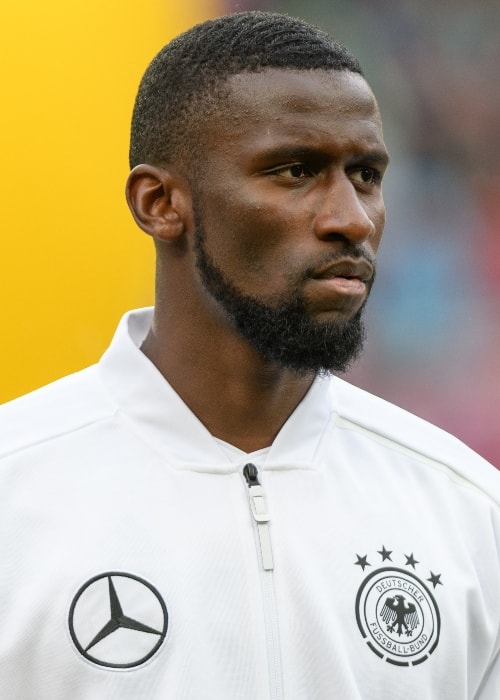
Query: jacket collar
x,y
145,400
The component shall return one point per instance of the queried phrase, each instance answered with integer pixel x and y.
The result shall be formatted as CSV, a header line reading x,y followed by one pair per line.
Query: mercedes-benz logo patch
x,y
118,620
396,612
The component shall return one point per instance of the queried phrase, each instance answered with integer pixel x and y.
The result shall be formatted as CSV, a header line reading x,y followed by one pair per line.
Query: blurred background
x,y
71,259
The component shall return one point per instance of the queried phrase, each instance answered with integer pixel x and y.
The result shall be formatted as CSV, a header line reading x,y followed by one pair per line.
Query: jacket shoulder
x,y
56,409
399,429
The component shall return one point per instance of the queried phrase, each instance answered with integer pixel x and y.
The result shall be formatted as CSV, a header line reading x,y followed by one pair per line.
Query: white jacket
x,y
138,563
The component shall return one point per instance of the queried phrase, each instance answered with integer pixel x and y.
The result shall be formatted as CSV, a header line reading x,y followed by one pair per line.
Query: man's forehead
x,y
311,104
301,89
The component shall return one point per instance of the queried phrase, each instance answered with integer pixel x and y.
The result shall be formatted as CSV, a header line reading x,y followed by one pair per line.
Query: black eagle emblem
x,y
397,613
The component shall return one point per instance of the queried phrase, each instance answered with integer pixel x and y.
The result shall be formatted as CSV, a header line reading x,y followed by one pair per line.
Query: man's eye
x,y
296,171
366,176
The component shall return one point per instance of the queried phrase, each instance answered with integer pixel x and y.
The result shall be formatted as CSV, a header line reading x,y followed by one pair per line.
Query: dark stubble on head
x,y
283,332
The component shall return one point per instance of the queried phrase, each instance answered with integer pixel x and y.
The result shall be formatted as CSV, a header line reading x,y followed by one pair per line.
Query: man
x,y
209,513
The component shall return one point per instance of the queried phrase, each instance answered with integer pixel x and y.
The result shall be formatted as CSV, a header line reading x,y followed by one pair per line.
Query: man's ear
x,y
159,200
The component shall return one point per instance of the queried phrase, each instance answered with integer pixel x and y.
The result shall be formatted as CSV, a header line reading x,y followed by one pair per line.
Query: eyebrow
x,y
378,156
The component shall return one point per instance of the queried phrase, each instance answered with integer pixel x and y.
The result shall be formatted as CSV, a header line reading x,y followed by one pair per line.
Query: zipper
x,y
261,519
260,515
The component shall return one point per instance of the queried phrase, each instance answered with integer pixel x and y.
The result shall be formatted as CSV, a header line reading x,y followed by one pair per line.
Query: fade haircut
x,y
186,82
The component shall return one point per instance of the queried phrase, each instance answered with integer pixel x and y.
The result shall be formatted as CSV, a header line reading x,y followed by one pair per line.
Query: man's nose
x,y
343,214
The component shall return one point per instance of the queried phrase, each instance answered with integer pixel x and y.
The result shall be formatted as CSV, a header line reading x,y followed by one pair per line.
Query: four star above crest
x,y
362,561
410,560
435,579
384,553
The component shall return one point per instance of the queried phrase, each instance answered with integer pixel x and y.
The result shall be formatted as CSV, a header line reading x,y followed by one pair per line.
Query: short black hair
x,y
185,82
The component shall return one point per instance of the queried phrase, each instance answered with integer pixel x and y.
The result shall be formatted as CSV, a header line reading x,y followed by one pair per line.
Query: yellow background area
x,y
71,258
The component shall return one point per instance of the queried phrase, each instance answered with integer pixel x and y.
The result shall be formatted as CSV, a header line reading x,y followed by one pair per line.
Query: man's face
x,y
289,213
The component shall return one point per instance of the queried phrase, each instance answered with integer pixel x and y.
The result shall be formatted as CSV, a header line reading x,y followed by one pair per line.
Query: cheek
x,y
250,235
378,219
258,241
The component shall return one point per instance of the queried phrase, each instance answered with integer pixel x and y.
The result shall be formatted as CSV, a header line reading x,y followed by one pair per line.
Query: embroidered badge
x,y
396,611
117,620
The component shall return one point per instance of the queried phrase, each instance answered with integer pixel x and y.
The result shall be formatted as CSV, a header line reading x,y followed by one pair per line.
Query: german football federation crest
x,y
396,611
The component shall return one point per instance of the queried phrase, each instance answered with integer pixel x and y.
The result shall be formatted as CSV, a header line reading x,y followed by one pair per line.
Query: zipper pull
x,y
260,514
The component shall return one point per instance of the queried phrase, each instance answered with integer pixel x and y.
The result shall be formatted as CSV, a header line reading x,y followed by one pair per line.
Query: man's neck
x,y
239,397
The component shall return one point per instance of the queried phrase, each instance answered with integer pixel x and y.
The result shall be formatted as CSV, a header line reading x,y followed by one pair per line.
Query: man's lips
x,y
346,268
342,284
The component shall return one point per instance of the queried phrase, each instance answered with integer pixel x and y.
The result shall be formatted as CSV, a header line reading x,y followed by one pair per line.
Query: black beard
x,y
284,333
